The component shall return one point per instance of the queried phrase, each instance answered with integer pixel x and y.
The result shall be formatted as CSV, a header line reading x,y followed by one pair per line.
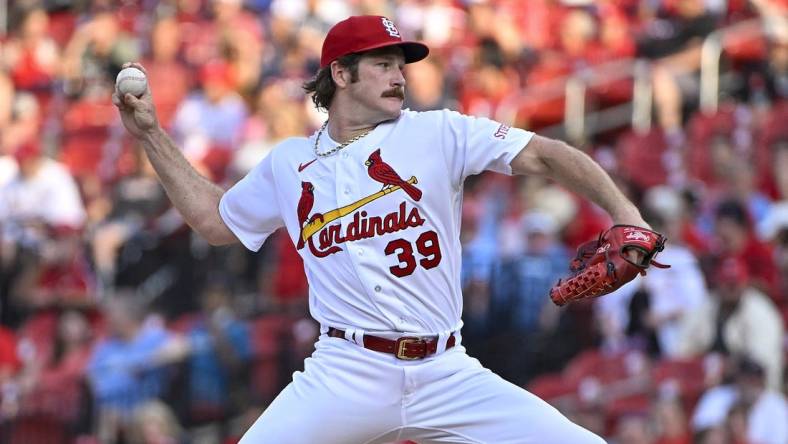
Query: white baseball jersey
x,y
377,223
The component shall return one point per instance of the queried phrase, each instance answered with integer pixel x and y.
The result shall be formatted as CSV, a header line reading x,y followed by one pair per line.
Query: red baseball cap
x,y
732,270
26,151
217,71
363,33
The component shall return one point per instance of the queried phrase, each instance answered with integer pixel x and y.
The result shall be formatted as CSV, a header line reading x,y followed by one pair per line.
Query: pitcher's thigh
x,y
345,395
313,416
478,406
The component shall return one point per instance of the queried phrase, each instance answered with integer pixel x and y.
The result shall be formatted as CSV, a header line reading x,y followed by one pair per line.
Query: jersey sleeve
x,y
250,208
479,144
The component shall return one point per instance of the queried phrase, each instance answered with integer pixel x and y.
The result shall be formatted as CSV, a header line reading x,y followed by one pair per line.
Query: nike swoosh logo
x,y
302,166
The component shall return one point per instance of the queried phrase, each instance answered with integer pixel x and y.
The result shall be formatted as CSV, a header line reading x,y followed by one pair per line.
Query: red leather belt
x,y
406,348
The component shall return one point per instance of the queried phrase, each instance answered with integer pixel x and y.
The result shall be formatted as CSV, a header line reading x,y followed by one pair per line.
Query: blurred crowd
x,y
119,325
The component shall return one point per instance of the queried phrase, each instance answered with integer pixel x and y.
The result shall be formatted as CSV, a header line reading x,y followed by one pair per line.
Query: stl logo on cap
x,y
390,27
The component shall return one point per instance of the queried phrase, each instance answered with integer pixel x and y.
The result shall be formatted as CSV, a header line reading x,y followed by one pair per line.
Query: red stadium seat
x,y
612,93
641,158
61,26
682,370
86,126
182,324
773,131
267,332
40,329
616,409
542,105
701,126
551,386
597,365
686,376
745,47
36,429
536,114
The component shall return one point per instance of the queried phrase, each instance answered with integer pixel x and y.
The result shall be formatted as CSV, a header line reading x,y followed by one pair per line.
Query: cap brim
x,y
413,51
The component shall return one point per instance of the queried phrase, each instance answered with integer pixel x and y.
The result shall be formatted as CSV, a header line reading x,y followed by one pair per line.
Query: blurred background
x,y
119,325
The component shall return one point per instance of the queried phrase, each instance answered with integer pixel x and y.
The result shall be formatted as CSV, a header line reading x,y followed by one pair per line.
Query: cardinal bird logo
x,y
383,173
305,204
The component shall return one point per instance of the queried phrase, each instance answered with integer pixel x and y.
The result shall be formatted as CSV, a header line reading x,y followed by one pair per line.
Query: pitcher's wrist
x,y
629,216
151,134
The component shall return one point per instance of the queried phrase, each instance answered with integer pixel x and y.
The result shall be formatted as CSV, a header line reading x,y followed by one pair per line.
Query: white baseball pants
x,y
350,395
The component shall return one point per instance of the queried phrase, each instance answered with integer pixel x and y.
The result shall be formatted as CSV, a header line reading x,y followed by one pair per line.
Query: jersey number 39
x,y
428,247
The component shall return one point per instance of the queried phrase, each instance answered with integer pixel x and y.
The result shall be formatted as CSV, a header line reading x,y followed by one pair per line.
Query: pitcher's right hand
x,y
138,114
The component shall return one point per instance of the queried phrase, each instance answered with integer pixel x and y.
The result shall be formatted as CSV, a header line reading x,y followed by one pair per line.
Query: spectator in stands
x,y
219,352
279,112
10,365
55,273
9,361
736,424
670,422
773,13
427,88
8,171
520,284
744,408
774,229
57,386
240,37
478,237
169,77
736,237
24,121
615,32
780,166
767,408
6,102
136,203
674,40
95,53
71,350
129,366
634,428
208,123
155,423
487,82
739,320
41,200
228,32
520,309
577,33
31,56
742,187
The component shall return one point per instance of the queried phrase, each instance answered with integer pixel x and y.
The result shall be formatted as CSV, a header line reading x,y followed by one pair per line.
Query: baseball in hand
x,y
131,81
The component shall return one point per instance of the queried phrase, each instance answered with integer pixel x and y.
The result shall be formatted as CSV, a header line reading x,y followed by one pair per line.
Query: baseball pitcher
x,y
372,203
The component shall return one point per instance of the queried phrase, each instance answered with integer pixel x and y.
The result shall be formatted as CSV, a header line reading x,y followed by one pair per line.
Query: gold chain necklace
x,y
338,147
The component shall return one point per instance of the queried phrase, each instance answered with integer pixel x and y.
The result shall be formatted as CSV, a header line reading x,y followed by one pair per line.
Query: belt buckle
x,y
402,342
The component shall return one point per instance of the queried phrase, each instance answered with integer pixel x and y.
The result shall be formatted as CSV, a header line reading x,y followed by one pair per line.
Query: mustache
x,y
394,92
